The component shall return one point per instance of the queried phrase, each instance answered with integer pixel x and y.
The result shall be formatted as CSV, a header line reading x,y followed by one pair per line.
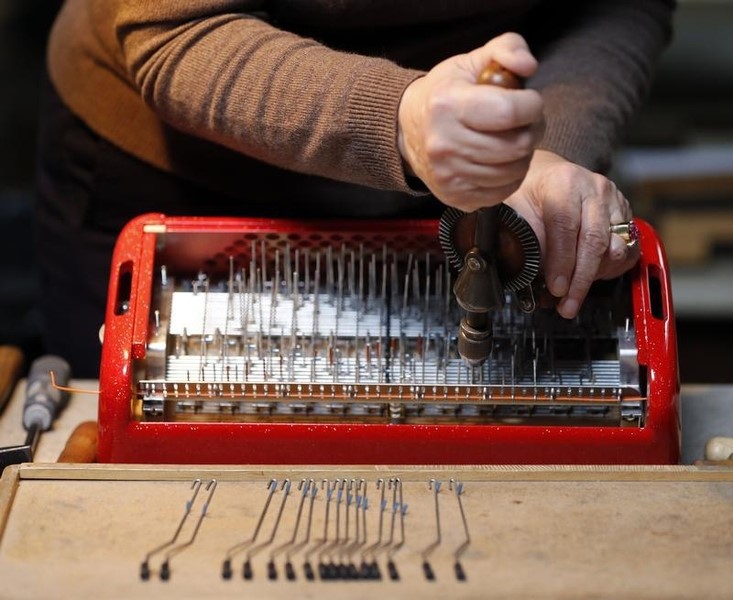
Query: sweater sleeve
x,y
596,66
213,69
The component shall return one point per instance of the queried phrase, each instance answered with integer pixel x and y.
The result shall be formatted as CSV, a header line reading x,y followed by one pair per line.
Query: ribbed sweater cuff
x,y
372,121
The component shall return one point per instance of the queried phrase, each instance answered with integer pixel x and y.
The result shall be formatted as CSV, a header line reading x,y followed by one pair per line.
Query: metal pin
x,y
230,290
330,280
457,566
272,572
288,267
202,355
427,569
263,265
383,301
372,289
227,565
329,570
405,293
307,567
351,268
349,502
400,507
165,567
145,567
296,303
368,355
340,286
416,282
303,486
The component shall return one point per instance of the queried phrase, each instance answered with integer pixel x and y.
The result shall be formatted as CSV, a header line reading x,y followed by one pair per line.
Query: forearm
x,y
595,71
214,70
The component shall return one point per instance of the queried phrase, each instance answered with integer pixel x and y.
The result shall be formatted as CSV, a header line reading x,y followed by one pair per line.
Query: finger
x,y
490,109
497,148
471,200
619,208
510,50
619,258
593,242
460,175
562,223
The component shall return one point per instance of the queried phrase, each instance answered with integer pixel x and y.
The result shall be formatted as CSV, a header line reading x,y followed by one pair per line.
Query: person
x,y
326,108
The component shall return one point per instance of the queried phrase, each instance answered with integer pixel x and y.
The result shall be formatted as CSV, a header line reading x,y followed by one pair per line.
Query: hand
x,y
471,144
570,209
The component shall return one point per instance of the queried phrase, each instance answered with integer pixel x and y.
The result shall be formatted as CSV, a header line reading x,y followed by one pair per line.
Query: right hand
x,y
471,144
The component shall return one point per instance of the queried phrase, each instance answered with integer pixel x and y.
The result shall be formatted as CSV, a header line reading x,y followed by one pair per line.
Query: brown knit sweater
x,y
212,89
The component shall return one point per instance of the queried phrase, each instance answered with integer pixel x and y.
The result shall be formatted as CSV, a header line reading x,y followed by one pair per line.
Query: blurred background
x,y
676,167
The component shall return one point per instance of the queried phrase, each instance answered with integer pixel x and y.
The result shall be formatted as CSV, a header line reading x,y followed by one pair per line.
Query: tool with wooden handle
x,y
495,250
11,363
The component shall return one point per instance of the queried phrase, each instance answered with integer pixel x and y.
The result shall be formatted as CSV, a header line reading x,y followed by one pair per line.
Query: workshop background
x,y
676,167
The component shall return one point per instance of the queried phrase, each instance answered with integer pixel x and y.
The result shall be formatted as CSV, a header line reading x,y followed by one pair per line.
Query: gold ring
x,y
628,232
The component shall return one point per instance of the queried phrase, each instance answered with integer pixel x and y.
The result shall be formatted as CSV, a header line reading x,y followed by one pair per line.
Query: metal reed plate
x,y
364,331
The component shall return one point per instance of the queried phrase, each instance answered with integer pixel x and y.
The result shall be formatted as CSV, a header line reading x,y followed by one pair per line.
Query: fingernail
x,y
568,308
559,286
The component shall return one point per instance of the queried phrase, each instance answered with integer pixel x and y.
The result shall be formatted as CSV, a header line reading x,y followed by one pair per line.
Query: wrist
x,y
405,125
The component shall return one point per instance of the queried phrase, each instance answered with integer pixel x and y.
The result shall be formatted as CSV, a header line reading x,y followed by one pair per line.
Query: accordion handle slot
x,y
656,336
656,296
656,289
131,284
124,288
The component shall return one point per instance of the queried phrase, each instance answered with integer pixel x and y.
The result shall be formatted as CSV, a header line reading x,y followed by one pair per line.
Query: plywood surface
x,y
535,533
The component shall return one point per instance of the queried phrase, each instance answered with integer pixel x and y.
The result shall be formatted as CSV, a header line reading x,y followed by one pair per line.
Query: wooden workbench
x,y
536,532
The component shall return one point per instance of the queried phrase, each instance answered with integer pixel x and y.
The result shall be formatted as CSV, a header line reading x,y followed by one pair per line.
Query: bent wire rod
x,y
307,566
400,507
457,566
347,568
367,570
350,501
247,567
427,569
304,487
226,568
373,548
165,567
289,571
339,485
145,565
360,507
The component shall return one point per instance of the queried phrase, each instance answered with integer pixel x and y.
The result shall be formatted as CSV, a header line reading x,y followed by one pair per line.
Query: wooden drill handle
x,y
495,74
11,363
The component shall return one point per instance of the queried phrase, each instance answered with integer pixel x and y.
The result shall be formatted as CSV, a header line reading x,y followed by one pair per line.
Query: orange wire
x,y
73,390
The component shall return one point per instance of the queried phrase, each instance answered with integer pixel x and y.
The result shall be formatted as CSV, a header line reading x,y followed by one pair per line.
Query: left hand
x,y
570,209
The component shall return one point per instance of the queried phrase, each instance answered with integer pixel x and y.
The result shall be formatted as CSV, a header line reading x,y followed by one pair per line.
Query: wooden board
x,y
537,532
691,237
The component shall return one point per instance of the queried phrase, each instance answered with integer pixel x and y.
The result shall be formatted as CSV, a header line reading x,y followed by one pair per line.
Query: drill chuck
x,y
475,339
